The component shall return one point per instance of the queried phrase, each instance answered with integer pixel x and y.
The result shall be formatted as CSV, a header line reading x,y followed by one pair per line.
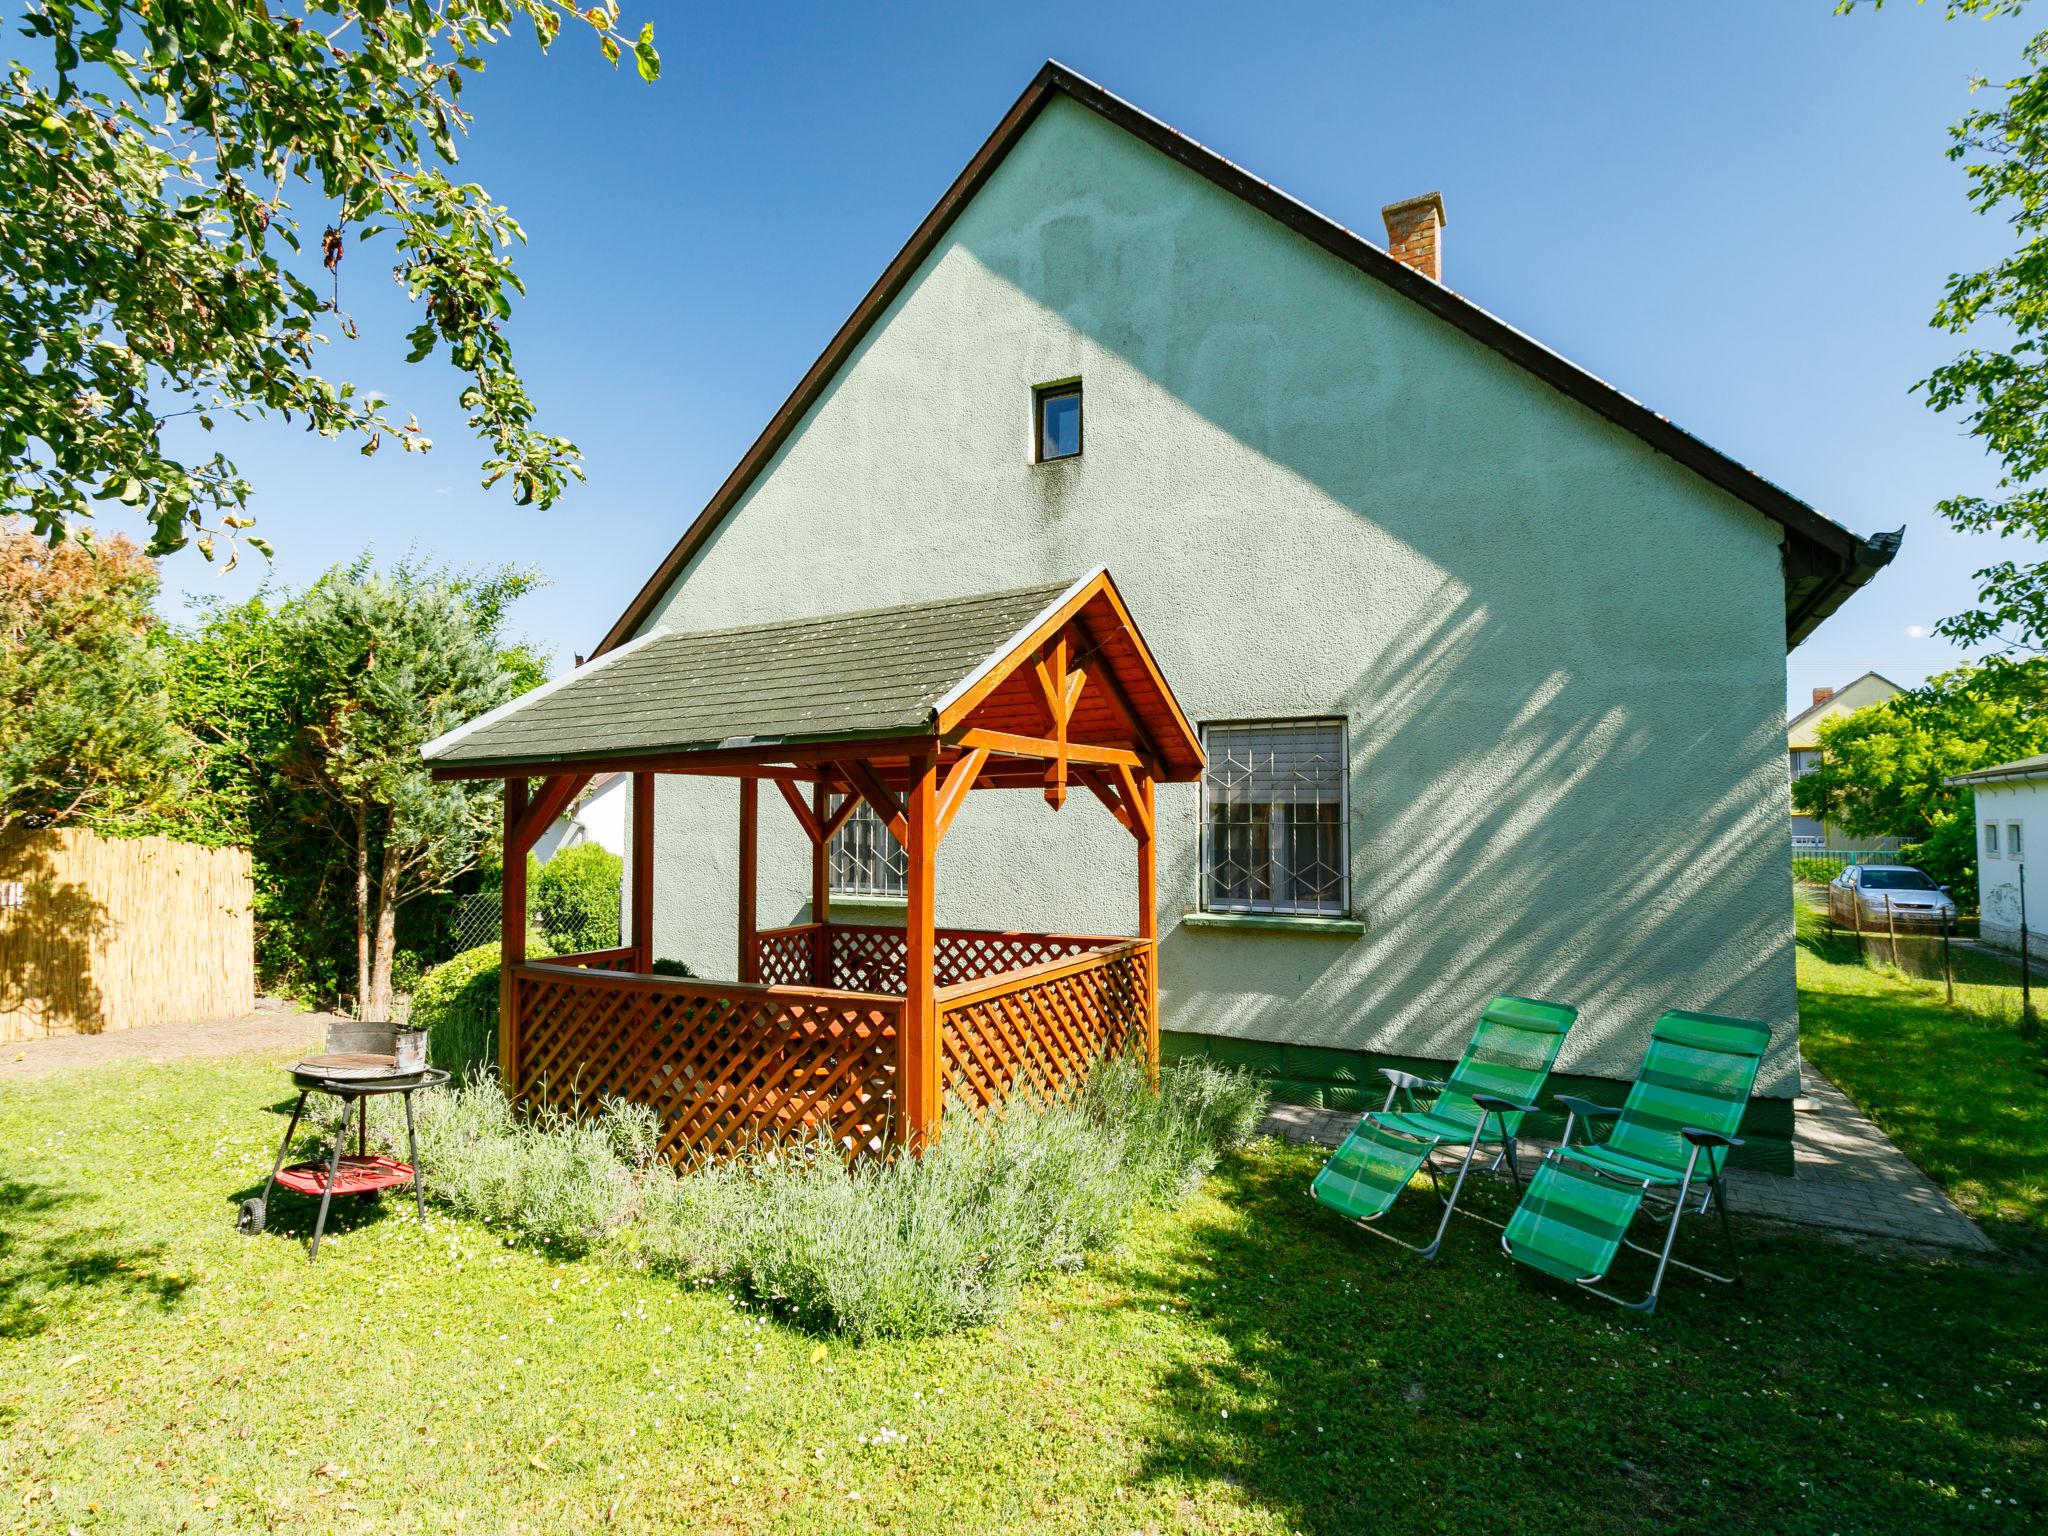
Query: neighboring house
x,y
1488,658
1802,736
2012,815
600,817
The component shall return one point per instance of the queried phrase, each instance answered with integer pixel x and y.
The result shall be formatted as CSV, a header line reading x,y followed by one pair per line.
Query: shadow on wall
x,y
46,947
1478,876
1561,664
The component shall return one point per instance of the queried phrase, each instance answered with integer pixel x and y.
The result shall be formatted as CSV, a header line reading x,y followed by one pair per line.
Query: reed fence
x,y
109,933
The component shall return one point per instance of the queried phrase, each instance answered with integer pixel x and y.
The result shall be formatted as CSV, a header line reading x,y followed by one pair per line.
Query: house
x,y
1802,738
1487,657
2012,812
598,816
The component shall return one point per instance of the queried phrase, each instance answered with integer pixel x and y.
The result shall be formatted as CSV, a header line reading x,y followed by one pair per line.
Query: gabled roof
x,y
912,672
1824,562
1834,698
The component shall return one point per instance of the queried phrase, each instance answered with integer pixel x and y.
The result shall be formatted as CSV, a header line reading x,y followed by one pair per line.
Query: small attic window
x,y
1056,420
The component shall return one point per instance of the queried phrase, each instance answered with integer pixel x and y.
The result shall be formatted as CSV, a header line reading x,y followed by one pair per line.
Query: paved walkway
x,y
275,1027
1849,1177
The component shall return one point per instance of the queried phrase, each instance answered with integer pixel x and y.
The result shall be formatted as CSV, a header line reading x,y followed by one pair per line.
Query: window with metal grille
x,y
865,859
1274,836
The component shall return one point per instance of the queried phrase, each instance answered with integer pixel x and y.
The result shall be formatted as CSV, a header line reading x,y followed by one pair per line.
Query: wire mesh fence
x,y
473,920
1945,956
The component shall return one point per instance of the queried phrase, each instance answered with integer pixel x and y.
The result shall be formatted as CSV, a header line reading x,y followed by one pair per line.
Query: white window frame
x,y
1269,908
889,853
2013,843
1990,839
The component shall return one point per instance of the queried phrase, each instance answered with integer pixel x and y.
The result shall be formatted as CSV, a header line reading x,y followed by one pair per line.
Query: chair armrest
x,y
1408,1080
1500,1106
1700,1138
1584,1107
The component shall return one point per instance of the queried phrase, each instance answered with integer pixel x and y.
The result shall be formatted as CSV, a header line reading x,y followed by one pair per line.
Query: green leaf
x,y
645,56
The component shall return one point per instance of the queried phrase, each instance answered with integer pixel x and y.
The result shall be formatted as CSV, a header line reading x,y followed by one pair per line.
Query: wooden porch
x,y
858,1031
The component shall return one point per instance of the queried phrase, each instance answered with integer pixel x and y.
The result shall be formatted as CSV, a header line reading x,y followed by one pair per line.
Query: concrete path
x,y
1849,1177
277,1028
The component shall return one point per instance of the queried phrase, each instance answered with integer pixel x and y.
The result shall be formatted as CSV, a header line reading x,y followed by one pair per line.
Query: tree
x,y
85,724
155,264
2001,389
1883,770
383,665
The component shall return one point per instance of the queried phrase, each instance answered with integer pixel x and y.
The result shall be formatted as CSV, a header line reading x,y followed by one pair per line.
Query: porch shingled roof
x,y
870,674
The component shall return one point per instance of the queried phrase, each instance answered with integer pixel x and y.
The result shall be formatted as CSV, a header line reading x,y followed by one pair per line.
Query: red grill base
x,y
357,1176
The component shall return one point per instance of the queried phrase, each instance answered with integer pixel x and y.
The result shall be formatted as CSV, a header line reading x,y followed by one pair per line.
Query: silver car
x,y
1859,896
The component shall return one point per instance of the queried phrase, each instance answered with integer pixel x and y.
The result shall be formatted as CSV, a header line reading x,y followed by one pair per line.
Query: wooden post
x,y
1148,914
643,872
821,892
511,936
917,1073
750,819
1892,927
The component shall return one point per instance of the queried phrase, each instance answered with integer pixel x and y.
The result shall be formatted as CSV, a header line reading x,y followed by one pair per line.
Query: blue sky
x,y
1739,212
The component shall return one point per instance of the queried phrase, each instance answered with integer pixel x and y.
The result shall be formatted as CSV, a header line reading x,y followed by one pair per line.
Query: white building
x,y
599,817
2012,814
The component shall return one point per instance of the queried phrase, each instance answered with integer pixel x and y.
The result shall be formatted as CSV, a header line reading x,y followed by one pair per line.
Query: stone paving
x,y
1848,1177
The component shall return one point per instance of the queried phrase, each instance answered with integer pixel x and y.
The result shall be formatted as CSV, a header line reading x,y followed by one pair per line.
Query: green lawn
x,y
1250,1364
1957,1088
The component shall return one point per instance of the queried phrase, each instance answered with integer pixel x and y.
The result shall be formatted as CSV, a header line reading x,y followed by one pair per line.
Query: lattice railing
x,y
723,1066
871,958
1044,1028
784,957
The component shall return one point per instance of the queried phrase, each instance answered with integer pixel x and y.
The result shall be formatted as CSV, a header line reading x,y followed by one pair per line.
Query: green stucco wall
x,y
1560,655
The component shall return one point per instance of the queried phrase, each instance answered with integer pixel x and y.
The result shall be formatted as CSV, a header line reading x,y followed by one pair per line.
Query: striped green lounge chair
x,y
1674,1131
1479,1106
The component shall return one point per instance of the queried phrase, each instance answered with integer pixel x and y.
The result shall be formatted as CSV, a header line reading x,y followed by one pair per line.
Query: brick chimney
x,y
1822,695
1415,233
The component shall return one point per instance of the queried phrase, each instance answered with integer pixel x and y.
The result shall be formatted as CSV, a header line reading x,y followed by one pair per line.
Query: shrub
x,y
456,1003
900,1247
576,898
549,1176
1815,871
907,1247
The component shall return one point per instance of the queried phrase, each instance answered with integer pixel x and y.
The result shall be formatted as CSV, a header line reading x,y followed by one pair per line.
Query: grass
x,y
1958,1088
1246,1363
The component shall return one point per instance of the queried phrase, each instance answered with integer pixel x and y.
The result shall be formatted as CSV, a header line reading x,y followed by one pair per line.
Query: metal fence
x,y
1842,858
1948,959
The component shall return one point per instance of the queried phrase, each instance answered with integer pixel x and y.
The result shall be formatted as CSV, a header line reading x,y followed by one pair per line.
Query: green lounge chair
x,y
1480,1104
1676,1128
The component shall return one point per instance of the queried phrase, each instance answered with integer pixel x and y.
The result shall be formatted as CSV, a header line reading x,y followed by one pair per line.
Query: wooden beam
x,y
1056,701
1138,796
953,793
555,795
917,1072
821,886
1038,746
643,872
511,937
1148,916
813,829
864,779
834,820
750,818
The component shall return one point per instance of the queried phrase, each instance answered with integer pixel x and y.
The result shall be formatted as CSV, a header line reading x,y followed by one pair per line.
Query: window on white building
x,y
1274,837
864,859
2012,840
1990,839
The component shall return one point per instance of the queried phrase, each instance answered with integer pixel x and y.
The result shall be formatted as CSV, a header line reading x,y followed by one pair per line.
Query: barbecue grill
x,y
353,1078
